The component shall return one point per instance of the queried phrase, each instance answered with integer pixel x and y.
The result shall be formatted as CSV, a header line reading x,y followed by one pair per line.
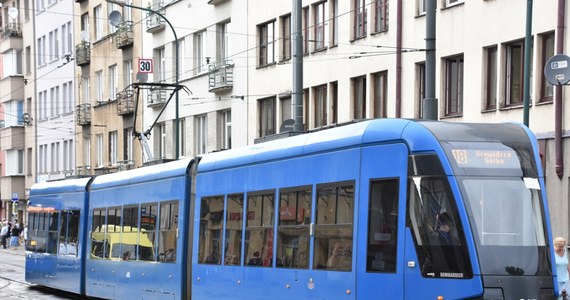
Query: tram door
x,y
381,218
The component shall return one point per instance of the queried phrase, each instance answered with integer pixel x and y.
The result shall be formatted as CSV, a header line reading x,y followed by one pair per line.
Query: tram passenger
x,y
255,260
562,266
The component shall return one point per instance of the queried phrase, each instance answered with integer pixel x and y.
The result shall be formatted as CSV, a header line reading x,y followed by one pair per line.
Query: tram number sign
x,y
145,65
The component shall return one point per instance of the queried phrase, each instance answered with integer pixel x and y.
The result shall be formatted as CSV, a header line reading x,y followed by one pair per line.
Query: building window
x,y
305,28
28,55
87,152
14,162
99,86
160,139
161,65
113,82
286,37
491,78
266,116
266,43
100,147
453,2
546,90
359,21
85,88
12,62
420,88
128,142
223,41
200,133
182,135
333,103
226,129
381,15
29,160
211,224
454,86
110,8
85,27
320,105
515,73
380,94
334,20
359,97
321,21
113,148
421,5
98,19
285,107
13,113
200,52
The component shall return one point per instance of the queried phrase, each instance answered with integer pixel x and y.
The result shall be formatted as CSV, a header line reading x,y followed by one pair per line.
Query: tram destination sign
x,y
486,158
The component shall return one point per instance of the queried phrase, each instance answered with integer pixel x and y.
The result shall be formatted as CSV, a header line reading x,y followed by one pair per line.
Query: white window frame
x,y
113,85
200,134
100,146
113,148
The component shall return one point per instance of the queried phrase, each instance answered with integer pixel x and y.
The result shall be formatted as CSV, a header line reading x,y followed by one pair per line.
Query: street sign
x,y
15,197
145,65
557,69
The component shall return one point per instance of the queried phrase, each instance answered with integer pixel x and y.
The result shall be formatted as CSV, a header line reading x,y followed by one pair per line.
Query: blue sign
x,y
15,197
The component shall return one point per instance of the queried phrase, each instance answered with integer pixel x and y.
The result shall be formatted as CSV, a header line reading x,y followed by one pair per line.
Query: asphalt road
x,y
12,283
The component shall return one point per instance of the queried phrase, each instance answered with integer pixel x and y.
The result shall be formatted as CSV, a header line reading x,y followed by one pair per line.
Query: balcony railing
x,y
11,30
221,75
154,23
125,102
84,114
124,35
82,53
156,97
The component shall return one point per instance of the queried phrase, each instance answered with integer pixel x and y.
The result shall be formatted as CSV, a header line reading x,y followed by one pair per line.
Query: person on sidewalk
x,y
15,237
4,234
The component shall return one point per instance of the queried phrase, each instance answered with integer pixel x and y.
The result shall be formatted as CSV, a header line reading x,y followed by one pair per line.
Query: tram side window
x,y
334,227
129,239
53,233
293,230
113,235
167,240
382,226
41,233
234,225
99,244
69,232
32,230
259,230
211,217
147,233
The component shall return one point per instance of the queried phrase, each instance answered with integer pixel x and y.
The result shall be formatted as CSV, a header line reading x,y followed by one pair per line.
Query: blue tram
x,y
379,209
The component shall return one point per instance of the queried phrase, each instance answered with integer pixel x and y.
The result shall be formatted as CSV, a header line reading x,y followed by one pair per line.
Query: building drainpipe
x,y
559,167
399,61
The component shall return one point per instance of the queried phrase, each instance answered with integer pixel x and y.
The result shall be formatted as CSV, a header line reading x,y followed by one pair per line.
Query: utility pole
x,y
430,106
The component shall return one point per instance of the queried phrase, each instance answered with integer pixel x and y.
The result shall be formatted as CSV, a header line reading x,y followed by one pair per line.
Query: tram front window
x,y
507,222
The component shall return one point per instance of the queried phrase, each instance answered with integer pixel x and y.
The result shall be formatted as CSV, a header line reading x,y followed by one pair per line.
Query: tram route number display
x,y
145,65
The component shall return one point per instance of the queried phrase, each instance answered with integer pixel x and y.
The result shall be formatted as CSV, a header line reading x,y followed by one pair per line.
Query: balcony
x,y
154,23
84,114
83,53
221,76
83,170
156,97
12,137
14,84
11,37
124,35
125,102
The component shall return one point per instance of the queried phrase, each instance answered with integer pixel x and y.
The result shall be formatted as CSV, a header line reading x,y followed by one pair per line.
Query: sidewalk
x,y
20,251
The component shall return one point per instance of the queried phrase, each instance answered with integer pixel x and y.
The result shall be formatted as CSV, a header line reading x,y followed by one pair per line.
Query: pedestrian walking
x,y
562,265
4,232
15,237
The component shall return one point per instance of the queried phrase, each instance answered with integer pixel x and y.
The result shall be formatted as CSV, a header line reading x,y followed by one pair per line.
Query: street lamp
x,y
122,3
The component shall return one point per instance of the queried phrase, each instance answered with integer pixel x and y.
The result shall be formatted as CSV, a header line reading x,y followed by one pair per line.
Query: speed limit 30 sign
x,y
145,65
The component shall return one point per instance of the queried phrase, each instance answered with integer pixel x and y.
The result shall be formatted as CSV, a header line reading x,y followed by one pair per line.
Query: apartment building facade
x,y
106,110
55,84
16,91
